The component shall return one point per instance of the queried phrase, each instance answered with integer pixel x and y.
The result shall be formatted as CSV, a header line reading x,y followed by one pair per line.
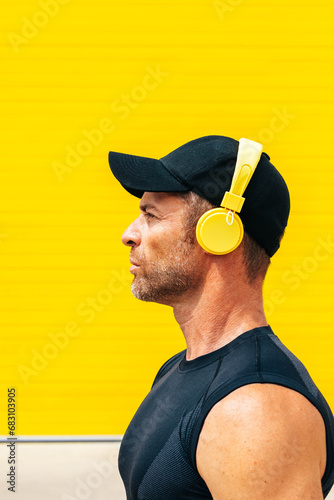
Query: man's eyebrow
x,y
146,206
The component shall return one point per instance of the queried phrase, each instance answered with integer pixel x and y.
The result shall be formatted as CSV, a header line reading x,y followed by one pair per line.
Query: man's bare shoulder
x,y
264,441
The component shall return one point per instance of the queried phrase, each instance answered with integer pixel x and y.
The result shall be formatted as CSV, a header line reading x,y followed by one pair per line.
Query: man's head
x,y
181,187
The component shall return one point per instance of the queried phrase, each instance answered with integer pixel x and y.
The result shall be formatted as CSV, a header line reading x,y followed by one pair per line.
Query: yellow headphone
x,y
220,230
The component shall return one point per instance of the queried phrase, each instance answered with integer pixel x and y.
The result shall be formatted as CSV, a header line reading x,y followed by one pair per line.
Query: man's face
x,y
165,260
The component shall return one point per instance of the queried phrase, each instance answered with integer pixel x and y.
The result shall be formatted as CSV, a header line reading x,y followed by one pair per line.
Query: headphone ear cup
x,y
219,231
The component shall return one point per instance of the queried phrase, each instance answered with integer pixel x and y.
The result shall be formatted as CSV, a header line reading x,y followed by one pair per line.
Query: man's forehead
x,y
160,201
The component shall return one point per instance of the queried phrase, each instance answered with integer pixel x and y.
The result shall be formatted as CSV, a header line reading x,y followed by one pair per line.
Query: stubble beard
x,y
168,279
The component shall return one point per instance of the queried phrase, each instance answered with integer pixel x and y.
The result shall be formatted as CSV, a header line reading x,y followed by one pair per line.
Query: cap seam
x,y
175,176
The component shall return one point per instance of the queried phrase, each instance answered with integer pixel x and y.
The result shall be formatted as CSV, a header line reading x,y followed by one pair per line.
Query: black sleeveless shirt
x,y
157,459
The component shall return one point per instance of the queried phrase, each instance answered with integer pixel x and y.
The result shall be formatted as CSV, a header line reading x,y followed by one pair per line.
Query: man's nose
x,y
131,236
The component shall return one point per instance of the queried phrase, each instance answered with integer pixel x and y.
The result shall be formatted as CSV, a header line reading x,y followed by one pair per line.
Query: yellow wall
x,y
150,75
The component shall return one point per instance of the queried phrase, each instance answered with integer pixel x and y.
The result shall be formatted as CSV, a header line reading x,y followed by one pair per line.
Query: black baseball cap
x,y
206,166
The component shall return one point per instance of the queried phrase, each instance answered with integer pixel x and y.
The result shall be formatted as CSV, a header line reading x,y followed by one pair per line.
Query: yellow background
x,y
243,68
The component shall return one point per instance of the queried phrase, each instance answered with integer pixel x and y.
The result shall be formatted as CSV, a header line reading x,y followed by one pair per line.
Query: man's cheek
x,y
156,249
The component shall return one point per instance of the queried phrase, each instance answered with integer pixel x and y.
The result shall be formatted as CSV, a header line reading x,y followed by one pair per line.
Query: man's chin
x,y
141,294
150,295
139,291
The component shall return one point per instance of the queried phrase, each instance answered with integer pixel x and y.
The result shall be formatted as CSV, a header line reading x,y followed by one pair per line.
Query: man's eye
x,y
148,215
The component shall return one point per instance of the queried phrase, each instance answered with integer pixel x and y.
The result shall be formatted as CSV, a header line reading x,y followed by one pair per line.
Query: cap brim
x,y
138,174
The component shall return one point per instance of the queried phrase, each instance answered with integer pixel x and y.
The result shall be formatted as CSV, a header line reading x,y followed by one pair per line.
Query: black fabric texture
x,y
157,459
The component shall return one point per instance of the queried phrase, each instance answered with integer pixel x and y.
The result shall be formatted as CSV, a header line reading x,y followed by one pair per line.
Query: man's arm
x,y
263,441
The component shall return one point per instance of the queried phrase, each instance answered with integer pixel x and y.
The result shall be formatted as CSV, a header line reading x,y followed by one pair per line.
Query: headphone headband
x,y
220,230
249,154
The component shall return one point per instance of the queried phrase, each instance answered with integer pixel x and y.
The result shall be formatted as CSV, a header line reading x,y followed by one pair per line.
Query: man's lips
x,y
134,265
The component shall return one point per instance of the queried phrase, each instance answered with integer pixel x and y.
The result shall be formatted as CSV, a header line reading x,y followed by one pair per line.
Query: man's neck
x,y
211,318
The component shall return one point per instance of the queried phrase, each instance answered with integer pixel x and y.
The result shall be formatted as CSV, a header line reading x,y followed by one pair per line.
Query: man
x,y
236,415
